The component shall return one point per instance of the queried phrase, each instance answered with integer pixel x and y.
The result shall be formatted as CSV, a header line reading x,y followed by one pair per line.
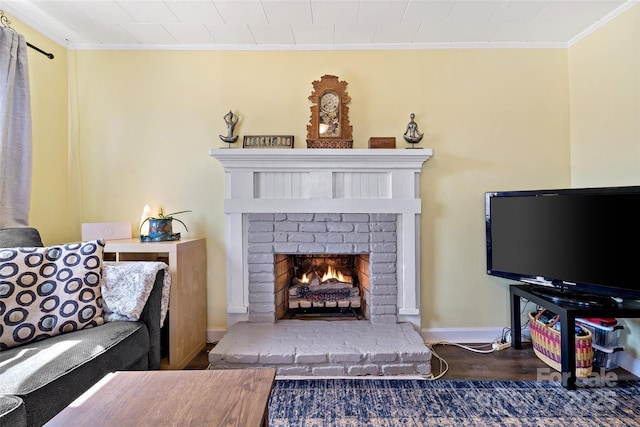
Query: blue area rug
x,y
406,403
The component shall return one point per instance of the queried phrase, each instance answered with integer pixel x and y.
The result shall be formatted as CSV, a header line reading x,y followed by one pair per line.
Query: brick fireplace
x,y
356,202
339,234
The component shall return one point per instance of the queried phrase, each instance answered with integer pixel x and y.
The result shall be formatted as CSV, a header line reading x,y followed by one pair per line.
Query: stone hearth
x,y
324,348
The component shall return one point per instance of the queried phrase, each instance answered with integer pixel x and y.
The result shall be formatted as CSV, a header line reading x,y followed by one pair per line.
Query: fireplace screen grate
x,y
329,295
320,283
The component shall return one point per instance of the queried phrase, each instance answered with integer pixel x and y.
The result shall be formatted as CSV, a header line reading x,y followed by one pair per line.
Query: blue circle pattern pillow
x,y
49,291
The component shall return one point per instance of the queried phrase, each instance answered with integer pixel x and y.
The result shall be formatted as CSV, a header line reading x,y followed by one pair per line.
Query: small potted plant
x,y
161,227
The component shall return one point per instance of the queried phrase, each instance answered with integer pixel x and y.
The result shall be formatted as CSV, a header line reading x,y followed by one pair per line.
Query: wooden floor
x,y
507,364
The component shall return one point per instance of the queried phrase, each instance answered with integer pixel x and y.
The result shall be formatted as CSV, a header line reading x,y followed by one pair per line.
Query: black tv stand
x,y
562,296
568,313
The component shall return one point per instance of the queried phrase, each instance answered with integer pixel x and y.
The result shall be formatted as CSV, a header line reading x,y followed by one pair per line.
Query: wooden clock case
x,y
342,137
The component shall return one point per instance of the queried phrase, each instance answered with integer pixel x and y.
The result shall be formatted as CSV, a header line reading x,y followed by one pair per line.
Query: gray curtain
x,y
15,131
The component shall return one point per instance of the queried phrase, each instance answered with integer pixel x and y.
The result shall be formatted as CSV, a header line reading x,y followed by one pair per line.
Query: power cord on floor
x,y
444,366
475,349
500,343
491,347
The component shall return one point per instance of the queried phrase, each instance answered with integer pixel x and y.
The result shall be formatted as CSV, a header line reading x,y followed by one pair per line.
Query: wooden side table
x,y
187,316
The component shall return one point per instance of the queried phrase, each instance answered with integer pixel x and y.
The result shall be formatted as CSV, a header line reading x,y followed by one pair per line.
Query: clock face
x,y
329,102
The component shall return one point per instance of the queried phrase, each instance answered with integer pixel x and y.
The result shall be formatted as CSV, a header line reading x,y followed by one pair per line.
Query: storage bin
x,y
606,357
604,336
546,345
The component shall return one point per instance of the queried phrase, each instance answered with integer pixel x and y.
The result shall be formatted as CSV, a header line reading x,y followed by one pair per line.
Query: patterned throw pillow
x,y
49,291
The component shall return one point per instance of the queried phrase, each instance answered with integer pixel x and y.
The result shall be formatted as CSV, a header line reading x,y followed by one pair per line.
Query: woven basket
x,y
546,345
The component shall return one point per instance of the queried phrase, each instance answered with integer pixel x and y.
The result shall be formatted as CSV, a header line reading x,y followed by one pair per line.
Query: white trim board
x,y
431,336
215,334
630,363
461,335
458,335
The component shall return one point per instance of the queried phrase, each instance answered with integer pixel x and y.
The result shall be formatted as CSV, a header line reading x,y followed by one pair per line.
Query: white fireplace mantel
x,y
323,181
361,159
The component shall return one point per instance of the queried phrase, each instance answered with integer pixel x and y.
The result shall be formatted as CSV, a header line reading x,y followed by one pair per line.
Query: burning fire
x,y
332,274
313,278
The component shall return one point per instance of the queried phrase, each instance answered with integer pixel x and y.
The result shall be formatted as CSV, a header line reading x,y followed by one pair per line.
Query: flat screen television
x,y
579,245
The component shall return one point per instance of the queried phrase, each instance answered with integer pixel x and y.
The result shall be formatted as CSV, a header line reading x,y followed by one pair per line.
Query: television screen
x,y
583,240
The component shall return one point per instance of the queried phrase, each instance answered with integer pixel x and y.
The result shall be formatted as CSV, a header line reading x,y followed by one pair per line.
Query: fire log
x,y
330,284
293,289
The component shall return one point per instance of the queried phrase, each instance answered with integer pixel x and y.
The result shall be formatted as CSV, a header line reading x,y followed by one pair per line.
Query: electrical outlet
x,y
501,345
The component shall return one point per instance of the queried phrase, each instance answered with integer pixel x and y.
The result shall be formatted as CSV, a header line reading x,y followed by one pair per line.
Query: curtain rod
x,y
47,54
7,24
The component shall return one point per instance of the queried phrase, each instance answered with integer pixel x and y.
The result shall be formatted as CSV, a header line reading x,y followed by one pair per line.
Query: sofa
x,y
41,377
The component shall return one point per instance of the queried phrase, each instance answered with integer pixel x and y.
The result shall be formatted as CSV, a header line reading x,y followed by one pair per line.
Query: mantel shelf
x,y
305,159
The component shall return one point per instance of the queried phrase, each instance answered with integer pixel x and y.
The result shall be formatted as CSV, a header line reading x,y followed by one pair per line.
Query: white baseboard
x,y
215,334
462,335
630,363
457,335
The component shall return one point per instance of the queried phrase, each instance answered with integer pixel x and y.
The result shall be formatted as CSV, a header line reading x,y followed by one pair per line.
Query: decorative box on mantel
x,y
328,181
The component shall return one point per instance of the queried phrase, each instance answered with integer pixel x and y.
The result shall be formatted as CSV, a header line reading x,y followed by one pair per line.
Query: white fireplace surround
x,y
345,181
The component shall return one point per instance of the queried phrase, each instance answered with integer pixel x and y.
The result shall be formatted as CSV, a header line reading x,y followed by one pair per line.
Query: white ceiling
x,y
313,24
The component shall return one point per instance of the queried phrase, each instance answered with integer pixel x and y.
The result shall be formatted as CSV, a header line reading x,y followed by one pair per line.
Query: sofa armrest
x,y
19,237
138,291
12,411
151,317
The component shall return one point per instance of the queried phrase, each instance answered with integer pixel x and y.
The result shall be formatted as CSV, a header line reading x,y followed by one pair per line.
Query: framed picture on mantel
x,y
267,141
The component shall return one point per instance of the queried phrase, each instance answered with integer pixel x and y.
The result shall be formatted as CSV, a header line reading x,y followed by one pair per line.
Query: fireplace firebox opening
x,y
322,285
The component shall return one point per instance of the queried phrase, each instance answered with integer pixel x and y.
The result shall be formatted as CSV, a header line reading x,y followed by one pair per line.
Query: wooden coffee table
x,y
231,397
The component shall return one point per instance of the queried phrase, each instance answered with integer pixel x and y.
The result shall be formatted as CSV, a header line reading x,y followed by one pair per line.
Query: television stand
x,y
568,313
561,296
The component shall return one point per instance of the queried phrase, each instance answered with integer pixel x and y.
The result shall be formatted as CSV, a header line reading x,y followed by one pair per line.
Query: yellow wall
x,y
142,123
604,71
497,119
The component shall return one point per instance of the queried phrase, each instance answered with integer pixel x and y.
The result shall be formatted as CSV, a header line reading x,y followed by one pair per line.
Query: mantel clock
x,y
329,126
